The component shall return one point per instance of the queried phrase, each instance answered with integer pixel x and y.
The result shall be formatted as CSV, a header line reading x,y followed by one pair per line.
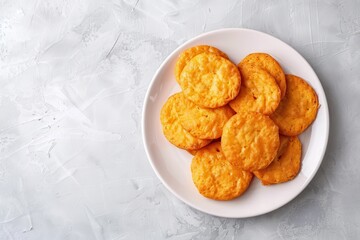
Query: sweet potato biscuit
x,y
268,63
286,164
298,109
204,123
172,128
259,92
215,177
210,80
250,141
189,53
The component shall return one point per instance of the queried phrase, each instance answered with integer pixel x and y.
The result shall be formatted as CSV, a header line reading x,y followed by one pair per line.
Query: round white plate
x,y
172,165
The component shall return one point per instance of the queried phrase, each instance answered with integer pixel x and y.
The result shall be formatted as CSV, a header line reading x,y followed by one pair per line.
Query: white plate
x,y
172,165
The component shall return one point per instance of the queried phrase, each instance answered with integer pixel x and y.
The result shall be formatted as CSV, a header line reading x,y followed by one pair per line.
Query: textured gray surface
x,y
73,77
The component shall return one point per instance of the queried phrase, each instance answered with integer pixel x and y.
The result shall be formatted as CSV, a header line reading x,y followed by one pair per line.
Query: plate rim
x,y
324,105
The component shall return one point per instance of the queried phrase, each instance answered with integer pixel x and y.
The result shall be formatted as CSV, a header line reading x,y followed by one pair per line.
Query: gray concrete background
x,y
73,77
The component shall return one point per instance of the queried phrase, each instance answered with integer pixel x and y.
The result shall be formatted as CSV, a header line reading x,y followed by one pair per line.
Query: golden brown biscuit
x,y
286,164
298,109
250,141
189,53
268,63
259,92
215,177
172,128
204,123
210,80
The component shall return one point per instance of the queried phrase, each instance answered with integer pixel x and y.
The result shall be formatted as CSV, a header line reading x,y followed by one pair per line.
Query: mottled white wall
x,y
73,75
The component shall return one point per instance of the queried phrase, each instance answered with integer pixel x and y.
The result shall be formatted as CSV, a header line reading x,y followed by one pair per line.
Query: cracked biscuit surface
x,y
210,80
215,177
269,64
189,53
286,164
250,141
298,109
204,123
259,92
173,130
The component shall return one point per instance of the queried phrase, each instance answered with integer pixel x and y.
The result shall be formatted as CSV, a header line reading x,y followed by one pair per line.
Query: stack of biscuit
x,y
237,120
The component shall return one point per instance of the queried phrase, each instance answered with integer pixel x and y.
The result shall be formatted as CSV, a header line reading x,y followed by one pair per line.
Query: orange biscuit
x,y
210,80
204,123
268,63
298,109
173,130
189,53
250,141
215,177
286,164
259,92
